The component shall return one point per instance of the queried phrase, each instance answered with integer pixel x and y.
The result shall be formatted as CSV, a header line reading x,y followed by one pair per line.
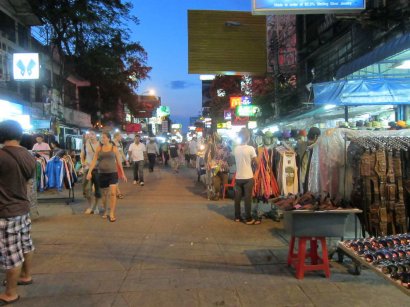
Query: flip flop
x,y
20,282
112,219
251,222
120,196
4,302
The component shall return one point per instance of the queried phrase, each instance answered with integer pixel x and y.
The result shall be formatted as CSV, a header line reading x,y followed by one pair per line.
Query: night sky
x,y
163,32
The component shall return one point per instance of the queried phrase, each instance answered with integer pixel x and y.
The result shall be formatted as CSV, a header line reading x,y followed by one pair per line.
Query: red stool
x,y
298,260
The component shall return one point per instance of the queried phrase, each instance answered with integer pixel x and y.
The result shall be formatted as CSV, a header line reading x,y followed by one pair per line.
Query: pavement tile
x,y
218,297
163,297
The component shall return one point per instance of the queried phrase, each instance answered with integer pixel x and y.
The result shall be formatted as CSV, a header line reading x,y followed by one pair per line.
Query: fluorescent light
x,y
206,77
329,106
404,65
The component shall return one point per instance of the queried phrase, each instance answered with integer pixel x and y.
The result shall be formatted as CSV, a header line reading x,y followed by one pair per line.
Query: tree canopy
x,y
93,38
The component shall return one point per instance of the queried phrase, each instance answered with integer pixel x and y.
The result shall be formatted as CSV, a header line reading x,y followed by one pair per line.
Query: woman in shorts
x,y
109,159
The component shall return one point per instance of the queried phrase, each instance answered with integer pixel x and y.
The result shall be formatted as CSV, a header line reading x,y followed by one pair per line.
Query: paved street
x,y
171,246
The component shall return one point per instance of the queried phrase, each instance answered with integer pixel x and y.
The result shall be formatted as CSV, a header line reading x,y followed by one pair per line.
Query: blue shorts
x,y
107,179
15,240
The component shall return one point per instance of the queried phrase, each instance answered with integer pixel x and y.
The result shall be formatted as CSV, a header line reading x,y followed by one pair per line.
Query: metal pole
x,y
346,114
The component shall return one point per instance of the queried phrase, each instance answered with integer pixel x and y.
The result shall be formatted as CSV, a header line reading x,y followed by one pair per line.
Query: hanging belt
x,y
399,206
380,169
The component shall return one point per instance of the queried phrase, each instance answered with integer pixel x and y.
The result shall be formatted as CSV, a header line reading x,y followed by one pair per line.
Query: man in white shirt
x,y
245,155
137,153
193,150
42,148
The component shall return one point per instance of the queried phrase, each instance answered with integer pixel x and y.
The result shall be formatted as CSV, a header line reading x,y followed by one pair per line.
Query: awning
x,y
388,49
363,92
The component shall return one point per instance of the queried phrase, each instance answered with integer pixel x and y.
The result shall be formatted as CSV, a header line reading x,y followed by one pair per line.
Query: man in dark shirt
x,y
16,247
173,153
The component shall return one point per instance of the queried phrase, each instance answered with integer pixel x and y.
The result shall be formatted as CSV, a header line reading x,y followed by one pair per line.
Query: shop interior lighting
x,y
329,106
403,65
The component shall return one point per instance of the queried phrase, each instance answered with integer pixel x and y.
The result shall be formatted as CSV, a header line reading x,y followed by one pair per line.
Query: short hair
x,y
137,136
10,130
117,134
244,135
313,133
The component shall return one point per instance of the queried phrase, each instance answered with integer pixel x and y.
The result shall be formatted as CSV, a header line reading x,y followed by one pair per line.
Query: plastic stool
x,y
298,260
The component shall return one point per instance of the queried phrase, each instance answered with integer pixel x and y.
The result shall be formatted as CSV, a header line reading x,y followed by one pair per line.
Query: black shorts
x,y
192,157
107,179
187,157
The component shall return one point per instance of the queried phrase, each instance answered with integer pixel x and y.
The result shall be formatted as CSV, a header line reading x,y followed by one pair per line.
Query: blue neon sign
x,y
305,6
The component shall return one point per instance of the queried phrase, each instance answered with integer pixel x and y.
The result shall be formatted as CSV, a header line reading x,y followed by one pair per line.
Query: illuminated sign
x,y
239,101
221,125
228,114
249,110
26,66
252,124
270,7
163,111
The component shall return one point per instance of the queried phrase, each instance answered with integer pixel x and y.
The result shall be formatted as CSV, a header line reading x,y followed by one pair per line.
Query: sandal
x,y
104,216
237,220
112,219
250,222
257,222
89,211
120,196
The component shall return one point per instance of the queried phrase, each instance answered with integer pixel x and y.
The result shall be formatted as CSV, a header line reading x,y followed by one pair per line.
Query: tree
x,y
92,37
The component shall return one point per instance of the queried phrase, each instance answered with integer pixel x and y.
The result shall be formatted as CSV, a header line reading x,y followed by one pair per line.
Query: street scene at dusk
x,y
204,153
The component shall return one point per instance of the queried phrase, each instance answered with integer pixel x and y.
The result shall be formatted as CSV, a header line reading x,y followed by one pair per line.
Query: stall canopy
x,y
363,92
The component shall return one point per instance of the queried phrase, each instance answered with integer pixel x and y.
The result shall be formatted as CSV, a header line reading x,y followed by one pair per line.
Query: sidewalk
x,y
171,246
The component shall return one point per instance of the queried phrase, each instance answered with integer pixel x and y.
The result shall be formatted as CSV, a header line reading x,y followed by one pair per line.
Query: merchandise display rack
x,y
67,200
360,262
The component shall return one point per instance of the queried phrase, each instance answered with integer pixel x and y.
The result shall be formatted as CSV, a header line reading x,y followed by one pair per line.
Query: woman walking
x,y
109,160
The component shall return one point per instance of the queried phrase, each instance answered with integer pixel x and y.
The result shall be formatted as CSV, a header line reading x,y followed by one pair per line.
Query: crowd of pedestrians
x,y
102,165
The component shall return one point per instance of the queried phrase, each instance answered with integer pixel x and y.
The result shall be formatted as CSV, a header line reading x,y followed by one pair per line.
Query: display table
x,y
307,223
313,227
359,261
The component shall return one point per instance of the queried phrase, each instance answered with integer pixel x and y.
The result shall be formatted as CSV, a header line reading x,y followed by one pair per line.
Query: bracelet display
x,y
389,254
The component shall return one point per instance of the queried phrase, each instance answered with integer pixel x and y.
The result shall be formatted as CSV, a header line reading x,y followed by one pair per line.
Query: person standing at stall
x,y
17,166
152,151
41,147
120,147
109,160
87,154
245,155
137,153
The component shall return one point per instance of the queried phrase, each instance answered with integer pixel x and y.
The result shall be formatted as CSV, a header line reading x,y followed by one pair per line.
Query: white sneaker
x,y
135,182
142,183
96,211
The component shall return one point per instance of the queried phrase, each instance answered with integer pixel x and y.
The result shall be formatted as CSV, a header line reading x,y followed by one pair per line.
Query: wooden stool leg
x,y
325,257
313,251
300,266
291,247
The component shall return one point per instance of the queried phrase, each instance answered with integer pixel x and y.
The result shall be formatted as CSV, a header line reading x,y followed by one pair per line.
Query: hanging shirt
x,y
243,159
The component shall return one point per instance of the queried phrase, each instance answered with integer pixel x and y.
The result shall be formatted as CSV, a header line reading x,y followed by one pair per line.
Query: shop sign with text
x,y
248,110
239,101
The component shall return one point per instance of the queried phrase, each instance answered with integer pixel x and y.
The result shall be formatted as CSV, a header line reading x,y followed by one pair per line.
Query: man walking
x,y
138,153
193,151
152,150
16,247
173,153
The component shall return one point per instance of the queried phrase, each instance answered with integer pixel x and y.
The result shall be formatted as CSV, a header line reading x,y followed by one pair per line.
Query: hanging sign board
x,y
26,66
239,101
282,7
249,110
228,114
